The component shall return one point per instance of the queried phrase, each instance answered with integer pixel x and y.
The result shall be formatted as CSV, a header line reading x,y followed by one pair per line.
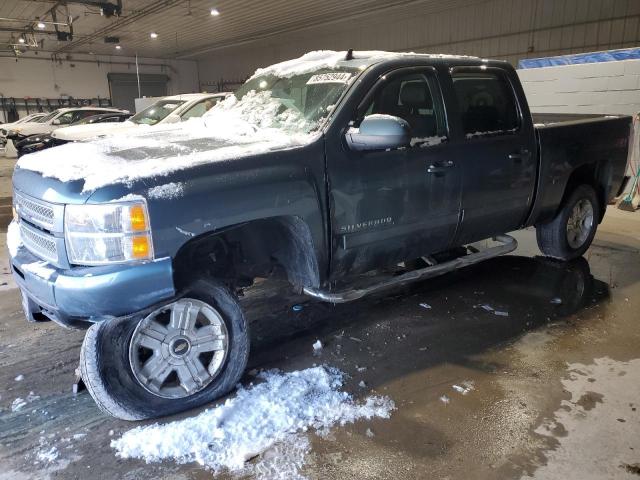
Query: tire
x,y
109,370
557,238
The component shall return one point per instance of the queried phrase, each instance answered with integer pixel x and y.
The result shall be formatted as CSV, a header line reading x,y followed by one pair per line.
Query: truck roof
x,y
317,60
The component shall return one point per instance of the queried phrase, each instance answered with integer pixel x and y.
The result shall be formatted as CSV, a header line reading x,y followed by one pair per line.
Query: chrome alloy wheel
x,y
580,223
179,349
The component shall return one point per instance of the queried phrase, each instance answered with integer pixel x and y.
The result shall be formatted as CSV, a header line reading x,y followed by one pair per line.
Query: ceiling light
x,y
118,47
153,35
21,40
41,25
215,12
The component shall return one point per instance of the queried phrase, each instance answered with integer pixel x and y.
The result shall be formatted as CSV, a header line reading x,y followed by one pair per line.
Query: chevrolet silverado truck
x,y
347,172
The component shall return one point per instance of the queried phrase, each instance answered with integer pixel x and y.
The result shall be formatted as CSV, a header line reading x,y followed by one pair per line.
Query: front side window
x,y
415,98
486,103
156,112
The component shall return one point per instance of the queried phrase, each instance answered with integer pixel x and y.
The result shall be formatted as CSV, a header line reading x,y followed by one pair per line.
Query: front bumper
x,y
78,296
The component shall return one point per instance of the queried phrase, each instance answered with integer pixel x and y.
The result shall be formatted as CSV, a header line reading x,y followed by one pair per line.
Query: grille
x,y
37,213
39,243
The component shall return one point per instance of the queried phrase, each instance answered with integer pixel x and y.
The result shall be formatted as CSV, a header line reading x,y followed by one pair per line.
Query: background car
x,y
4,127
34,143
49,123
33,117
173,109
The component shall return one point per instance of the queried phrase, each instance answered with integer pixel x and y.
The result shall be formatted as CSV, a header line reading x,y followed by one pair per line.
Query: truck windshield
x,y
156,112
299,104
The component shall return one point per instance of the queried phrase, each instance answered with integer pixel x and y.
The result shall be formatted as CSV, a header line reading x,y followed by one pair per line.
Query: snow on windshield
x,y
266,420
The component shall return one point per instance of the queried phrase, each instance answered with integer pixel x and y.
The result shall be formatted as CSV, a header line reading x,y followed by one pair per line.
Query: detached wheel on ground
x,y
178,357
571,232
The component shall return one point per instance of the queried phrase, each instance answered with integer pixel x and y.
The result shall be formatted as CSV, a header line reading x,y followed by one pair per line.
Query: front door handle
x,y
518,156
440,167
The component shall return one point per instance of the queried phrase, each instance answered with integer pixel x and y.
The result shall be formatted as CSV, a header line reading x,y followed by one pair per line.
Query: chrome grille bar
x,y
39,243
35,212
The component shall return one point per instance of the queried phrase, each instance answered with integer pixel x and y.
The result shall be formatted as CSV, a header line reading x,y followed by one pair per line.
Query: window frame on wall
x,y
502,75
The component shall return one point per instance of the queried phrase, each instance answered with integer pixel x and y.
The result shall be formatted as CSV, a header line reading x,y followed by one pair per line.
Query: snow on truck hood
x,y
222,134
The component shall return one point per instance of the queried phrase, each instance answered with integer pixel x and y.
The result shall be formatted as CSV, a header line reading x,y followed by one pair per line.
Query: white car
x,y
54,120
34,117
167,110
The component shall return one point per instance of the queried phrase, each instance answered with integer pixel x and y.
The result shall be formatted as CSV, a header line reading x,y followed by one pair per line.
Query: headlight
x,y
108,233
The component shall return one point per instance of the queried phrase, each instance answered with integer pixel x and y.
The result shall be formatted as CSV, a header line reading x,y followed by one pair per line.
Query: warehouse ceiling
x,y
165,29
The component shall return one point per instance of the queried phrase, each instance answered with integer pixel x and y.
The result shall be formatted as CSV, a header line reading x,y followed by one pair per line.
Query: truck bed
x,y
571,145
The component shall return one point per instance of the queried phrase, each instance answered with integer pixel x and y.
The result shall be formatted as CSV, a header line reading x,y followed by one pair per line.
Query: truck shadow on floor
x,y
462,313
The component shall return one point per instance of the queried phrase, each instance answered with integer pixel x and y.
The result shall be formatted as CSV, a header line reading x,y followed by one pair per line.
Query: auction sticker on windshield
x,y
330,77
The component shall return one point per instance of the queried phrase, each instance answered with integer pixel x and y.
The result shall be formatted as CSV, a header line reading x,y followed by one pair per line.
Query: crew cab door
x,y
495,150
388,206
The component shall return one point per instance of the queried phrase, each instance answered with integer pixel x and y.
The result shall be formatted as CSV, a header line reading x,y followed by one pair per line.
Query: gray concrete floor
x,y
556,382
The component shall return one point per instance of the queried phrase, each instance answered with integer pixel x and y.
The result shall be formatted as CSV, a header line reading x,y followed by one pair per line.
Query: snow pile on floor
x,y
256,419
48,455
232,129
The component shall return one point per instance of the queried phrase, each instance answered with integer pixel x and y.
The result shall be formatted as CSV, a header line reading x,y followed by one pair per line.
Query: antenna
x,y
349,54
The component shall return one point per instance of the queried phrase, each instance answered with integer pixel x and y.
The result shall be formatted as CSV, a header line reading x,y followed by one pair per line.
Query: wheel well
x,y
243,252
595,175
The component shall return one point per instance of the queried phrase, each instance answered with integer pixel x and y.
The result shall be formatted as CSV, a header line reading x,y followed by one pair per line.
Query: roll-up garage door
x,y
124,88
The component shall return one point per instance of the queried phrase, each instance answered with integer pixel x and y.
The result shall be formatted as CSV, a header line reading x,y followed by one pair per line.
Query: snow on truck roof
x,y
319,59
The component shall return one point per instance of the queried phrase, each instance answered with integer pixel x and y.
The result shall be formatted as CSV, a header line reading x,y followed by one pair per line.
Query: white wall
x,y
503,29
83,77
608,87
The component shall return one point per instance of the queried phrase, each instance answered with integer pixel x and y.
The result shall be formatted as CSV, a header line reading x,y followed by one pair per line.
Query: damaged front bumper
x,y
79,296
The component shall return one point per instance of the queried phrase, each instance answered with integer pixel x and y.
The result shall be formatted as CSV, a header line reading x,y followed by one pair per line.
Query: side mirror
x,y
56,121
379,132
173,118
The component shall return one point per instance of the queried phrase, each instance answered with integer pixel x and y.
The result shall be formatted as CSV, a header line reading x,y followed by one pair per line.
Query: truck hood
x,y
124,159
96,130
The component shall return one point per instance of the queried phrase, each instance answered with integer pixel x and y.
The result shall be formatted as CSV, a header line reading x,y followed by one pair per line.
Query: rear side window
x,y
486,102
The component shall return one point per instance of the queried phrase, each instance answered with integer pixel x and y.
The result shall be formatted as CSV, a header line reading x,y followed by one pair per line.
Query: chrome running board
x,y
507,244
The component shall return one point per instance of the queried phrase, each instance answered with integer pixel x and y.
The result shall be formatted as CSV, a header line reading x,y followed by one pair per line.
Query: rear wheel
x,y
571,232
178,357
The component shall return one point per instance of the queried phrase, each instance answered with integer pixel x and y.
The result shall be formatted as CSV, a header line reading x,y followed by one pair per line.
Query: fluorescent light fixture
x,y
153,35
21,40
118,47
215,12
41,25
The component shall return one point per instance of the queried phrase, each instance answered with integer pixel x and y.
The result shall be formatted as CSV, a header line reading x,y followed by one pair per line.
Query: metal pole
x,y
138,75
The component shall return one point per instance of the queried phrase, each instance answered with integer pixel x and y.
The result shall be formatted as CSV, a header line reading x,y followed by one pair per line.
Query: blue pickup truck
x,y
346,172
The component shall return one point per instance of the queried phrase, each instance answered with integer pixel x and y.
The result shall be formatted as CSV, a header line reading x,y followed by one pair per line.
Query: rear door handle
x,y
440,167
